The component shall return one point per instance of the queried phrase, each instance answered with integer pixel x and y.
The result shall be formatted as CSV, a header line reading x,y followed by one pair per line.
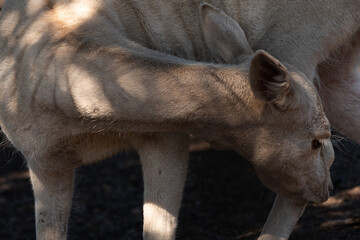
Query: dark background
x,y
223,199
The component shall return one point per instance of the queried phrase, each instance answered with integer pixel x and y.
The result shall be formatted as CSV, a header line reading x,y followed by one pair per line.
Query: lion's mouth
x,y
319,195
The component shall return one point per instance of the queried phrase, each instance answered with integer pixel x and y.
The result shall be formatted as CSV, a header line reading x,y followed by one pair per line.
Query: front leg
x,y
164,159
284,214
53,194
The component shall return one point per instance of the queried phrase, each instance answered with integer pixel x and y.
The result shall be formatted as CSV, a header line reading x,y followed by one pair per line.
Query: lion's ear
x,y
270,80
223,35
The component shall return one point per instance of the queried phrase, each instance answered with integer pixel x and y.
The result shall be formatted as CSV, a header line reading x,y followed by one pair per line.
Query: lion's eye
x,y
316,144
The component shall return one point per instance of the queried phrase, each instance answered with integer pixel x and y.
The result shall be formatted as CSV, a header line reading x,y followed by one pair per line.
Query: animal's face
x,y
287,138
296,168
290,147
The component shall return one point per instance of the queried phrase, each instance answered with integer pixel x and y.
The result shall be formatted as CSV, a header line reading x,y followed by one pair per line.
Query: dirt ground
x,y
223,200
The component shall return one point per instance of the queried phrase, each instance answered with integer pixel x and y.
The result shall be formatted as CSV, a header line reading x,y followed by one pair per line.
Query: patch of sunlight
x,y
333,201
340,222
249,234
74,14
33,7
4,181
88,92
7,75
9,23
339,213
340,198
197,144
159,223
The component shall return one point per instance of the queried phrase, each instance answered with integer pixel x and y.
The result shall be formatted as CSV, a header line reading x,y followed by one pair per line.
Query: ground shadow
x,y
223,200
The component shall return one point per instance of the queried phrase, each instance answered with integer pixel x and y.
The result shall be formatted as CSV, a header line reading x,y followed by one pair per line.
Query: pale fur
x,y
75,88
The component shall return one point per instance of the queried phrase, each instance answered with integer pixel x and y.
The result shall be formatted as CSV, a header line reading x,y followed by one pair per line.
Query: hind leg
x,y
164,159
53,194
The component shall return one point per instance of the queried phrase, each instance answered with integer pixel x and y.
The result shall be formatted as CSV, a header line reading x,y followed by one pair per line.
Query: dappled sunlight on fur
x,y
82,80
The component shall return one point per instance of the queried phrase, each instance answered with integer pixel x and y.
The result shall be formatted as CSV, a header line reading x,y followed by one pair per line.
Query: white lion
x,y
80,80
